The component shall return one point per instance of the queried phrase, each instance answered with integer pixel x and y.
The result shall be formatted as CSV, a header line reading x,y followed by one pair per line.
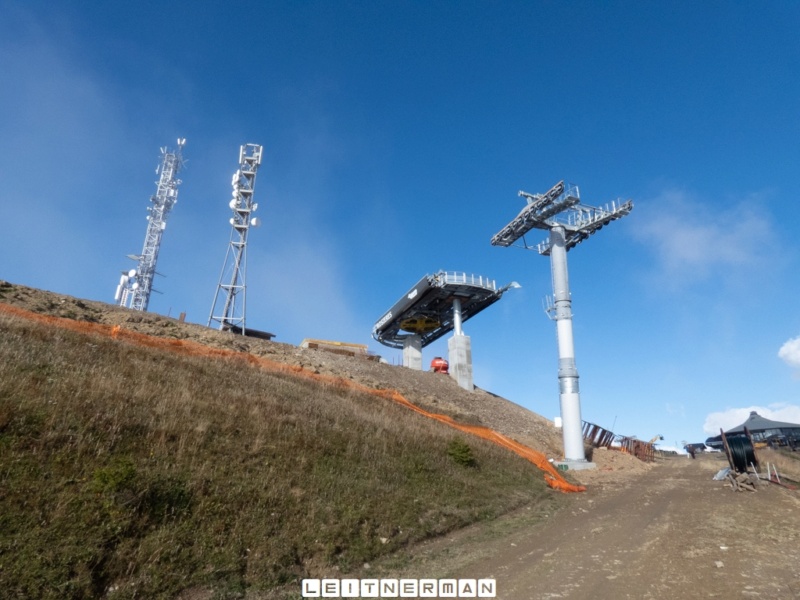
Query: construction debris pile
x,y
599,437
741,482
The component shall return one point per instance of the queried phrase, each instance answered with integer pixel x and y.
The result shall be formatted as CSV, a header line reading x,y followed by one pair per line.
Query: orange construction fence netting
x,y
190,348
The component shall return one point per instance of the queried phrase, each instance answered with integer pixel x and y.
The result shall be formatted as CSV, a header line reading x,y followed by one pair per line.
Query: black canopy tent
x,y
762,430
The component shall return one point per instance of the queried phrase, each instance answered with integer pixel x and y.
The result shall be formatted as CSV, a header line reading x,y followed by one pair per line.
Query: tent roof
x,y
756,422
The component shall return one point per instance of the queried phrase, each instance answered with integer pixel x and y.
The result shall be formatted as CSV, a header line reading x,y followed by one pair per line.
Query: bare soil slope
x,y
433,392
430,391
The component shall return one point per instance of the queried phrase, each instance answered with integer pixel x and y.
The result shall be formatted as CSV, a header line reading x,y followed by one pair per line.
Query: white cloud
x,y
675,409
692,240
790,352
731,417
298,291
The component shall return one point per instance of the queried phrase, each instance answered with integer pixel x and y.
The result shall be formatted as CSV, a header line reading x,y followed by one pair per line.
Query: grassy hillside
x,y
135,472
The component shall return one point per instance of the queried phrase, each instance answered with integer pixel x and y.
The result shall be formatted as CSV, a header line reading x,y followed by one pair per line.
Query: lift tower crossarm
x,y
535,215
583,221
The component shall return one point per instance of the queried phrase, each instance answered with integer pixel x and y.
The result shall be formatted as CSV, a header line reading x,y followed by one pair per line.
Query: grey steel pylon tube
x,y
569,391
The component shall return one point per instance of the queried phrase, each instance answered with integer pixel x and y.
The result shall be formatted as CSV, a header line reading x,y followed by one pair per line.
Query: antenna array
x,y
136,284
232,280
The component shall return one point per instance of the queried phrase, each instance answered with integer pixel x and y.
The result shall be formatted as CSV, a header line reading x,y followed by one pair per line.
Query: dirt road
x,y
671,532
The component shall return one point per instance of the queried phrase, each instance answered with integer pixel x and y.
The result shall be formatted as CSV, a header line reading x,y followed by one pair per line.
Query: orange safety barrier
x,y
552,476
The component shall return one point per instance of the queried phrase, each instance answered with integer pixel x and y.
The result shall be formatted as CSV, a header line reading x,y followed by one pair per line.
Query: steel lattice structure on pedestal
x,y
136,285
559,211
232,285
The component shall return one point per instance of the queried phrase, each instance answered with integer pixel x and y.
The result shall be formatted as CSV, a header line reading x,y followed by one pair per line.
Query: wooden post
x,y
727,450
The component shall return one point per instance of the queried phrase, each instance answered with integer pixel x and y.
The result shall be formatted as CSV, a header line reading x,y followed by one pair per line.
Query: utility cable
x,y
742,453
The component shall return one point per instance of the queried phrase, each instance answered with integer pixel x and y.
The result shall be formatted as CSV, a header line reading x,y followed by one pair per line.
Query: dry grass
x,y
134,472
786,461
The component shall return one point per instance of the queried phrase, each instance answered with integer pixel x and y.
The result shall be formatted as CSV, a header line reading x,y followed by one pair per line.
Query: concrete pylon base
x,y
574,465
460,358
412,352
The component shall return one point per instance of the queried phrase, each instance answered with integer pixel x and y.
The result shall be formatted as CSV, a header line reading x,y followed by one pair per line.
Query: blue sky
x,y
396,136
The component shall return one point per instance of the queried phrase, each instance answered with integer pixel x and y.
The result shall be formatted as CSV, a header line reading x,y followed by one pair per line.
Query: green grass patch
x,y
128,472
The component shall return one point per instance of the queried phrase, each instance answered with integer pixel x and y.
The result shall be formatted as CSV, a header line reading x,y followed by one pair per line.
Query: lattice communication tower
x,y
232,287
136,285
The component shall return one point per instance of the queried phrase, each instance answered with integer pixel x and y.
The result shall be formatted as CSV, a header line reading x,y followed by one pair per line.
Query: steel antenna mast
x,y
136,285
233,278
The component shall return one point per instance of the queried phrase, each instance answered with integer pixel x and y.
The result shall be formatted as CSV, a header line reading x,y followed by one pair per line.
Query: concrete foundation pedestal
x,y
574,465
412,352
460,358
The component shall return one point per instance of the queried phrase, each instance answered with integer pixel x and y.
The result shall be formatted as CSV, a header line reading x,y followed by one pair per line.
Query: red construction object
x,y
440,365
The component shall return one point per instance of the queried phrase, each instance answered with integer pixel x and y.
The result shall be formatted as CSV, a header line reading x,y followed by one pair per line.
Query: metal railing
x,y
453,277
